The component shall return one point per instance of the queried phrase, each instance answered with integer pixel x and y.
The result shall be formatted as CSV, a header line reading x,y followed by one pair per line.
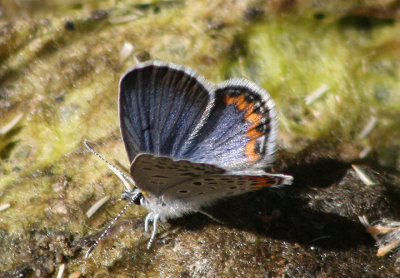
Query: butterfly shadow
x,y
286,214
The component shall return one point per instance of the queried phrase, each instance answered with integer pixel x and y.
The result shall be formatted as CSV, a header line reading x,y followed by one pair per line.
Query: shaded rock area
x,y
333,70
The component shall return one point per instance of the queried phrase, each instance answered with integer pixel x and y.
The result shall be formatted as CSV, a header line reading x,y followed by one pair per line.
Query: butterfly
x,y
191,143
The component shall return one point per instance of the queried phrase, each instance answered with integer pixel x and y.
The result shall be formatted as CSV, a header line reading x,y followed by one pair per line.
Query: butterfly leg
x,y
153,234
149,218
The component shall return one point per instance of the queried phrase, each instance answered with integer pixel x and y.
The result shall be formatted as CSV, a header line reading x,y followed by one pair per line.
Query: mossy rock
x,y
333,70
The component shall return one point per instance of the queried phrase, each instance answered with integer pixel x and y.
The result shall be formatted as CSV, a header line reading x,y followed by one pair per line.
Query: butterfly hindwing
x,y
240,131
160,107
186,180
212,187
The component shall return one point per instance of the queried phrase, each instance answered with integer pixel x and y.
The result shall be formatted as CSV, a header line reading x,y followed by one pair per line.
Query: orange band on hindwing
x,y
254,118
261,182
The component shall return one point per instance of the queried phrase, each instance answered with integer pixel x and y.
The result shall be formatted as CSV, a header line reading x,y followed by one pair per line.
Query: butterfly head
x,y
135,195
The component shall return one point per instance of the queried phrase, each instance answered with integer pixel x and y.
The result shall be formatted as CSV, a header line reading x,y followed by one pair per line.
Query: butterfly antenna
x,y
121,175
107,230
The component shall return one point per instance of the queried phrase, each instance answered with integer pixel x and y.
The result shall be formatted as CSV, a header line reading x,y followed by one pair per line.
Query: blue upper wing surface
x,y
170,110
161,107
241,128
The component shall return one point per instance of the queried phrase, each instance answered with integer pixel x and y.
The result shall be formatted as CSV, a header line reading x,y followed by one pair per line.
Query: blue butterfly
x,y
190,142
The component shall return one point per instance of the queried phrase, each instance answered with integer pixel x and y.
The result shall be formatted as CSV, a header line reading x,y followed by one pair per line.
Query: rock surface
x,y
333,70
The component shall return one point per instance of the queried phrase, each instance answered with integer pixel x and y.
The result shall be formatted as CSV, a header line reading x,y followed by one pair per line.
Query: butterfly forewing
x,y
161,105
155,174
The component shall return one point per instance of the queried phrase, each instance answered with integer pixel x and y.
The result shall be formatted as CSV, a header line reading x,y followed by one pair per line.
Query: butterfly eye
x,y
138,199
135,196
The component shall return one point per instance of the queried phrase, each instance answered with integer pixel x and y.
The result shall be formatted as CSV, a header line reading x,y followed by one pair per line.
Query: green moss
x,y
360,71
